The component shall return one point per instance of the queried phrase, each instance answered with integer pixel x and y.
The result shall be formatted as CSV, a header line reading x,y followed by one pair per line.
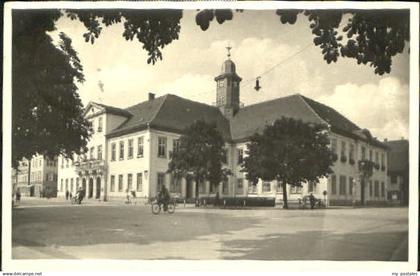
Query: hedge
x,y
233,201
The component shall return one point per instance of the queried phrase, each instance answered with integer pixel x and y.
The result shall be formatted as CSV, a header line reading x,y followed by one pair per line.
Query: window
x,y
91,152
212,188
121,150
333,184
393,179
71,185
279,187
239,186
225,187
130,149
351,185
240,156
343,148
160,180
99,152
162,146
201,187
266,186
129,182
311,187
382,189
100,124
67,163
370,189
225,156
376,188
92,124
383,159
252,189
363,153
112,183
113,152
376,157
139,186
334,145
140,147
120,183
175,145
77,183
295,189
55,177
370,155
61,185
343,185
351,152
67,184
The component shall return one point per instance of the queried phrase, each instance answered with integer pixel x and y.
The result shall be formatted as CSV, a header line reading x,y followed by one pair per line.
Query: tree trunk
x,y
362,191
196,192
284,186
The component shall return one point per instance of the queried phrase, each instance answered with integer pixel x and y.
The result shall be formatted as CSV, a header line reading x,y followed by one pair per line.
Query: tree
x,y
47,114
199,155
289,151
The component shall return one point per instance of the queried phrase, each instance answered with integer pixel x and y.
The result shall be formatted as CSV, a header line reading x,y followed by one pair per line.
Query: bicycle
x,y
156,207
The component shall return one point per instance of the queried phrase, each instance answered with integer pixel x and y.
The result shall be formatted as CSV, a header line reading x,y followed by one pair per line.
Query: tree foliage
x,y
289,151
46,108
200,155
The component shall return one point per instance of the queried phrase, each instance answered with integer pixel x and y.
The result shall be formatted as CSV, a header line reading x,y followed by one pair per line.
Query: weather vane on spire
x,y
228,48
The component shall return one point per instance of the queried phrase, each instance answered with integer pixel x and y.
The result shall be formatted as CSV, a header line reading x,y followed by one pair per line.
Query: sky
x,y
259,41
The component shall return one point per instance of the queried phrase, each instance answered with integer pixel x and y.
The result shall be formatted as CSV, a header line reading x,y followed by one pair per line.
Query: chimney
x,y
151,96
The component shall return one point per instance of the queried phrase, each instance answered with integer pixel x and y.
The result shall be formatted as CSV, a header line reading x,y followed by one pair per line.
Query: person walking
x,y
18,196
67,194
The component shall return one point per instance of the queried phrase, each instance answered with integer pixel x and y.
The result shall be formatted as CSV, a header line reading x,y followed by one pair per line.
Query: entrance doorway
x,y
90,188
189,187
98,187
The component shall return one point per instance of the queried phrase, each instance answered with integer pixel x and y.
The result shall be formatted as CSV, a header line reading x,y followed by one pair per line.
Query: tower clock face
x,y
220,83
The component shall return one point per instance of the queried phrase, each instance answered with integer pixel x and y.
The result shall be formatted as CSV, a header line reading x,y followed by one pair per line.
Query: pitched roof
x,y
111,109
398,159
331,116
253,118
171,113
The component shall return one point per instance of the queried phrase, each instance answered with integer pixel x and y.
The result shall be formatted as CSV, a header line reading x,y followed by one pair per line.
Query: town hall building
x,y
130,148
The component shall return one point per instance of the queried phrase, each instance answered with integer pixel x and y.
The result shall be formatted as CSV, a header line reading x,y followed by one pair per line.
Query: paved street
x,y
53,229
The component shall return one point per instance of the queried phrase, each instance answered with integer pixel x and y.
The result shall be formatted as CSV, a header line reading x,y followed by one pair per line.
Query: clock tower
x,y
227,95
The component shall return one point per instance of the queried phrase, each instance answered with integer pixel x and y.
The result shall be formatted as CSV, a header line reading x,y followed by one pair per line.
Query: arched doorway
x,y
98,187
90,195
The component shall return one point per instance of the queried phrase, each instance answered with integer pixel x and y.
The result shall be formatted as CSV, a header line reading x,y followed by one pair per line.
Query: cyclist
x,y
163,197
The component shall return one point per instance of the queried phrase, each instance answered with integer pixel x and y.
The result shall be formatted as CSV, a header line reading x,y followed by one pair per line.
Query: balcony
x,y
90,167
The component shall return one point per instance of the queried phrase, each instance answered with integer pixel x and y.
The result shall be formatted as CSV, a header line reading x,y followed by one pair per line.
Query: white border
x,y
226,266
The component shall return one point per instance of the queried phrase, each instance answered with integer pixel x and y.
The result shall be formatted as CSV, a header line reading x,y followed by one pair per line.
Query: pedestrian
x,y
67,194
312,200
17,196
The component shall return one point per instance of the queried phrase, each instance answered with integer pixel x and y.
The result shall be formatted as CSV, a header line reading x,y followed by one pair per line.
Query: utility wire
x,y
246,82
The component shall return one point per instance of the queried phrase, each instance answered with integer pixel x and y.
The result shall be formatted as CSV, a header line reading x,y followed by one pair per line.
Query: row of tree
x,y
290,151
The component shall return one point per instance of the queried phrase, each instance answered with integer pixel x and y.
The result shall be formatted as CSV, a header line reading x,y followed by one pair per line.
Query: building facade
x,y
131,148
398,173
36,177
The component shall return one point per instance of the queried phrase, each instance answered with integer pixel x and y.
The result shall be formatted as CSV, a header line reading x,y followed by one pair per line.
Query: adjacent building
x,y
36,177
398,171
131,148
